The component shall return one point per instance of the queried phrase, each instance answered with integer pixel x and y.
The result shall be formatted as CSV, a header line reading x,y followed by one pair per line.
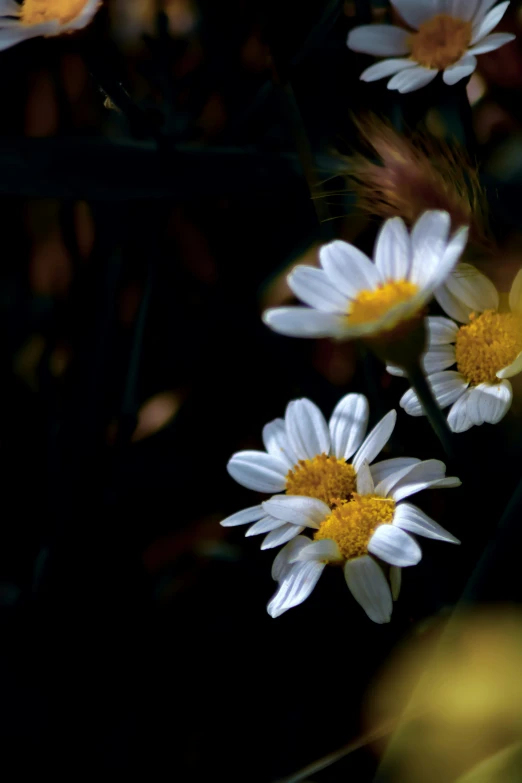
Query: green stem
x,y
429,404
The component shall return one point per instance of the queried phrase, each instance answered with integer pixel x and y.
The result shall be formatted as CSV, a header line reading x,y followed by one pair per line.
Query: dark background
x,y
139,249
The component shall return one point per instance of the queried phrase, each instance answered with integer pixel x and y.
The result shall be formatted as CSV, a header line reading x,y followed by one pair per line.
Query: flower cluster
x,y
330,500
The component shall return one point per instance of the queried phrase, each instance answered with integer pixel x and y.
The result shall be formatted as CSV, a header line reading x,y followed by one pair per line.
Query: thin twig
x,y
337,755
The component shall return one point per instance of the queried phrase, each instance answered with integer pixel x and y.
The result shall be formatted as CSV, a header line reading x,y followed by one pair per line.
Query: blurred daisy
x,y
353,297
42,17
365,535
486,350
314,462
446,37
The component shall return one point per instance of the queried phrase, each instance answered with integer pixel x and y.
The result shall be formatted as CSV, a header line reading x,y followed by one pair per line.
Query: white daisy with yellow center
x,y
33,18
314,462
445,36
486,349
351,296
366,536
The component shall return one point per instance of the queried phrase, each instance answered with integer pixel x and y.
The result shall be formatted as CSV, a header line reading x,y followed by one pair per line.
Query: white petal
x,y
304,322
412,484
243,517
326,550
258,471
412,79
379,39
369,587
297,509
473,288
386,68
451,305
85,16
489,22
14,32
515,294
394,546
313,287
395,581
512,369
459,70
265,525
9,8
365,484
393,250
307,429
281,535
348,425
397,372
411,518
492,42
429,239
464,9
295,587
447,386
415,12
276,442
490,402
483,7
348,269
441,331
458,418
377,439
453,252
438,358
386,485
281,564
387,467
418,478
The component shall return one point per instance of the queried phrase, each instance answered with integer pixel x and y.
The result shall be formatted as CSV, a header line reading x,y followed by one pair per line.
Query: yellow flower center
x,y
440,41
64,11
490,342
327,478
371,305
352,524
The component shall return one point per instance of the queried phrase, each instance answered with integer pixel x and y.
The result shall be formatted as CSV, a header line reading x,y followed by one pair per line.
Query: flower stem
x,y
434,414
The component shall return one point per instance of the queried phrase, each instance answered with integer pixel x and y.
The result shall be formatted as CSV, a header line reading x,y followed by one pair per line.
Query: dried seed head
x,y
406,176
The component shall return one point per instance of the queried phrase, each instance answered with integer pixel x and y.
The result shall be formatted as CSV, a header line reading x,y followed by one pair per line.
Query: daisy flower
x,y
351,296
486,349
445,36
314,462
42,17
366,535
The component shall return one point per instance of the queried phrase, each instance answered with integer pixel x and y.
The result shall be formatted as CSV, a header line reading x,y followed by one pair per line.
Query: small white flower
x,y
314,462
42,17
353,297
446,37
375,523
486,350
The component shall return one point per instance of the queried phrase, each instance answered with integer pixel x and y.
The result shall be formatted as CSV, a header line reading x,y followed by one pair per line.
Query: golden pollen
x,y
371,305
490,342
327,478
352,524
64,11
441,41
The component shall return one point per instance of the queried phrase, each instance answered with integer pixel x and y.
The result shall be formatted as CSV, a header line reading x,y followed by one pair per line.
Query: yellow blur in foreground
x,y
458,702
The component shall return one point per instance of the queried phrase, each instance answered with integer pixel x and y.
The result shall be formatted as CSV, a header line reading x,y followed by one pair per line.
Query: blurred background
x,y
160,173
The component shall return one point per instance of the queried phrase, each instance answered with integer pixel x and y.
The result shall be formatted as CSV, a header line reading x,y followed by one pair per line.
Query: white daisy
x,y
42,17
364,535
446,36
486,350
353,297
314,463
